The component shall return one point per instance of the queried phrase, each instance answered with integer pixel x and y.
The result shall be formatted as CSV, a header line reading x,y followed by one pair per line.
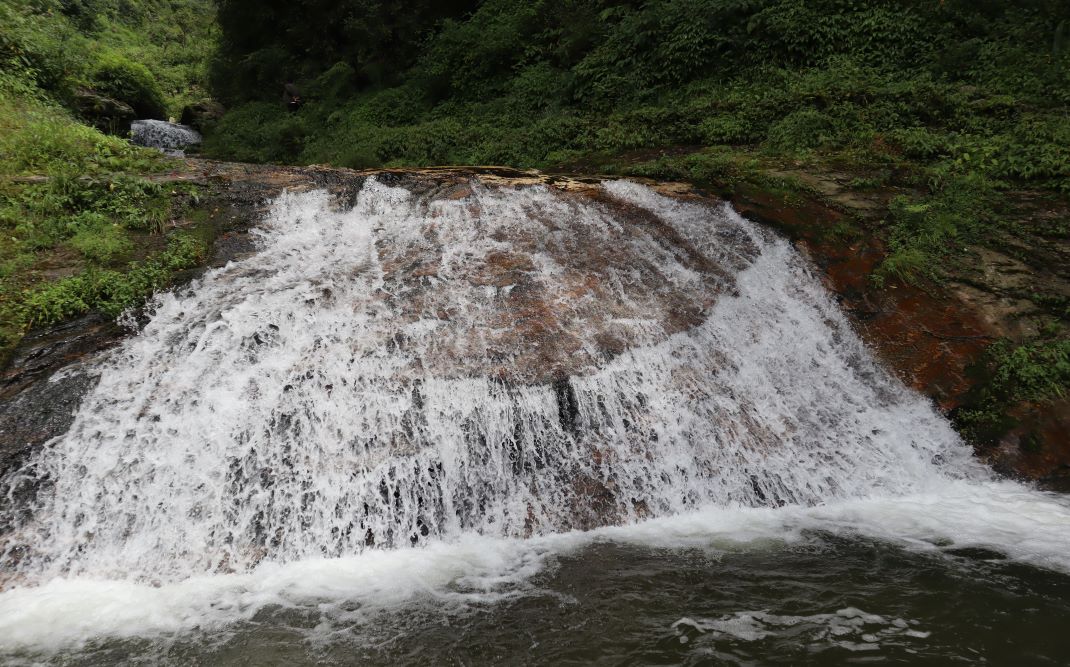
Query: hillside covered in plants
x,y
85,226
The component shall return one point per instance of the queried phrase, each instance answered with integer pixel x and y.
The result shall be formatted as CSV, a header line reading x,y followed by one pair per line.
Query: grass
x,y
86,236
83,227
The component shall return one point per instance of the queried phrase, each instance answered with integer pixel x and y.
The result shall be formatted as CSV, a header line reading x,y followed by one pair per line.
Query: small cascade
x,y
170,138
502,362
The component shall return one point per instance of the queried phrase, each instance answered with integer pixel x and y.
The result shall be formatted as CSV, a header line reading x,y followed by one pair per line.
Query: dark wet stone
x,y
37,401
976,553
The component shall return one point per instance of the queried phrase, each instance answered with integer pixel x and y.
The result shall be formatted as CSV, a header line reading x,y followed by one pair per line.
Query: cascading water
x,y
418,378
170,138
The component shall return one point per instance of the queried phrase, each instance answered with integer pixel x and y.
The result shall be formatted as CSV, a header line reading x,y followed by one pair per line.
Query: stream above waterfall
x,y
491,423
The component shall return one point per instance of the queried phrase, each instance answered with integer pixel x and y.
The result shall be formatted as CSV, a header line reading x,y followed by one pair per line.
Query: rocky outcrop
x,y
42,385
202,116
935,337
104,113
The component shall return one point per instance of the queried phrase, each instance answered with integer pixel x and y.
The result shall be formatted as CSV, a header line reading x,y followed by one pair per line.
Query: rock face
x,y
934,339
496,315
428,354
104,113
201,116
43,384
931,340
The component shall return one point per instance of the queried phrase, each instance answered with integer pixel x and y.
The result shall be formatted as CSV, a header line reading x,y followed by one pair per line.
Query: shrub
x,y
802,130
114,75
258,132
109,291
335,85
103,245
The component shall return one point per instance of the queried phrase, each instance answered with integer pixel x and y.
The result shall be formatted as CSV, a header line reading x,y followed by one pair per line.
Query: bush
x,y
803,130
151,55
335,85
47,52
258,132
108,291
103,244
114,75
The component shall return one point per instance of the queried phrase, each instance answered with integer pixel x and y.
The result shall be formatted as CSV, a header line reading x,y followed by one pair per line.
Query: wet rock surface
x,y
935,338
453,351
43,384
932,340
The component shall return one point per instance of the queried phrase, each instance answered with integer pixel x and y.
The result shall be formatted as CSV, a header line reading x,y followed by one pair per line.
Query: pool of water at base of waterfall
x,y
822,600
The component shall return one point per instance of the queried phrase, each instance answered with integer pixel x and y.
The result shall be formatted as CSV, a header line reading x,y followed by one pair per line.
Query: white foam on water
x,y
65,613
314,424
815,631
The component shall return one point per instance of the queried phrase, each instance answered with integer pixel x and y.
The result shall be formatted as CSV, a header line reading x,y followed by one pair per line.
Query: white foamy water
x,y
168,137
849,628
351,414
479,570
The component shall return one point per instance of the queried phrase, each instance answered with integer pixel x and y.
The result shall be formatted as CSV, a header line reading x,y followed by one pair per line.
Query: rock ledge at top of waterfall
x,y
165,136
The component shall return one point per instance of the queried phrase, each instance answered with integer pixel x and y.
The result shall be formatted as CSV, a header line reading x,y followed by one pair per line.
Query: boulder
x,y
104,113
202,115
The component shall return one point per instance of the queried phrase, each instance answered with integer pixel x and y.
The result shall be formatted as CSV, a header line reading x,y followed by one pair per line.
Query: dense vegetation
x,y
150,54
83,225
955,105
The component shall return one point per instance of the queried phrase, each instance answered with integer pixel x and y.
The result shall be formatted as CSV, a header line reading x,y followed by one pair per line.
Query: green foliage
x,y
712,166
150,54
335,85
39,46
259,132
1037,371
800,131
924,233
265,43
38,138
526,81
102,243
108,291
114,75
1032,372
83,214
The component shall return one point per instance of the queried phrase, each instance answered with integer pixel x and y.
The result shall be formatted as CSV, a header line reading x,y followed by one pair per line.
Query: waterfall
x,y
393,375
168,137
